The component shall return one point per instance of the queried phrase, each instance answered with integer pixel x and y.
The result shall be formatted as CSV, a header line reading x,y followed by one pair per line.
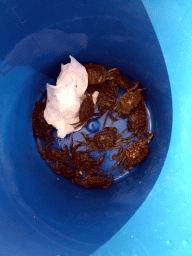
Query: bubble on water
x,y
168,242
140,182
185,242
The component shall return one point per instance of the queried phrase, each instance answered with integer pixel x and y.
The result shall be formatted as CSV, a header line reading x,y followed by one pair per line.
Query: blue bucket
x,y
144,214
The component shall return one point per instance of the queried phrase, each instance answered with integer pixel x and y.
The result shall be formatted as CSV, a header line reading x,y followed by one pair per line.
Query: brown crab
x,y
133,154
40,127
138,119
129,101
97,182
98,73
83,161
67,172
76,177
92,88
103,140
120,80
85,111
106,100
52,154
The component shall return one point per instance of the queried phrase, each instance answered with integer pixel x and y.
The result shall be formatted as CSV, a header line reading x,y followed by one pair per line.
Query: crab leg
x,y
98,115
39,148
99,172
121,164
44,94
127,168
121,133
101,159
109,113
117,163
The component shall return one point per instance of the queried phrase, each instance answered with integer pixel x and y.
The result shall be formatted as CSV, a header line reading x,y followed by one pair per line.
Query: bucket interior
x,y
37,37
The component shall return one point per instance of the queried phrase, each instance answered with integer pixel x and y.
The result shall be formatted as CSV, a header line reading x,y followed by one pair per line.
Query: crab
x,y
138,119
129,101
85,111
103,140
97,181
120,80
67,172
76,177
92,88
52,154
98,73
83,161
106,101
133,154
40,127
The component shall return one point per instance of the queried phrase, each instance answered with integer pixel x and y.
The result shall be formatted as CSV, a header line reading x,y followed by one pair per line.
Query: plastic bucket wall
x,y
42,214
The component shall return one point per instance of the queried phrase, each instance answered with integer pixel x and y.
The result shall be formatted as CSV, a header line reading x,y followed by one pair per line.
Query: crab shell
x,y
137,120
37,116
86,108
39,125
129,101
105,139
67,172
136,153
121,81
106,97
96,73
98,182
